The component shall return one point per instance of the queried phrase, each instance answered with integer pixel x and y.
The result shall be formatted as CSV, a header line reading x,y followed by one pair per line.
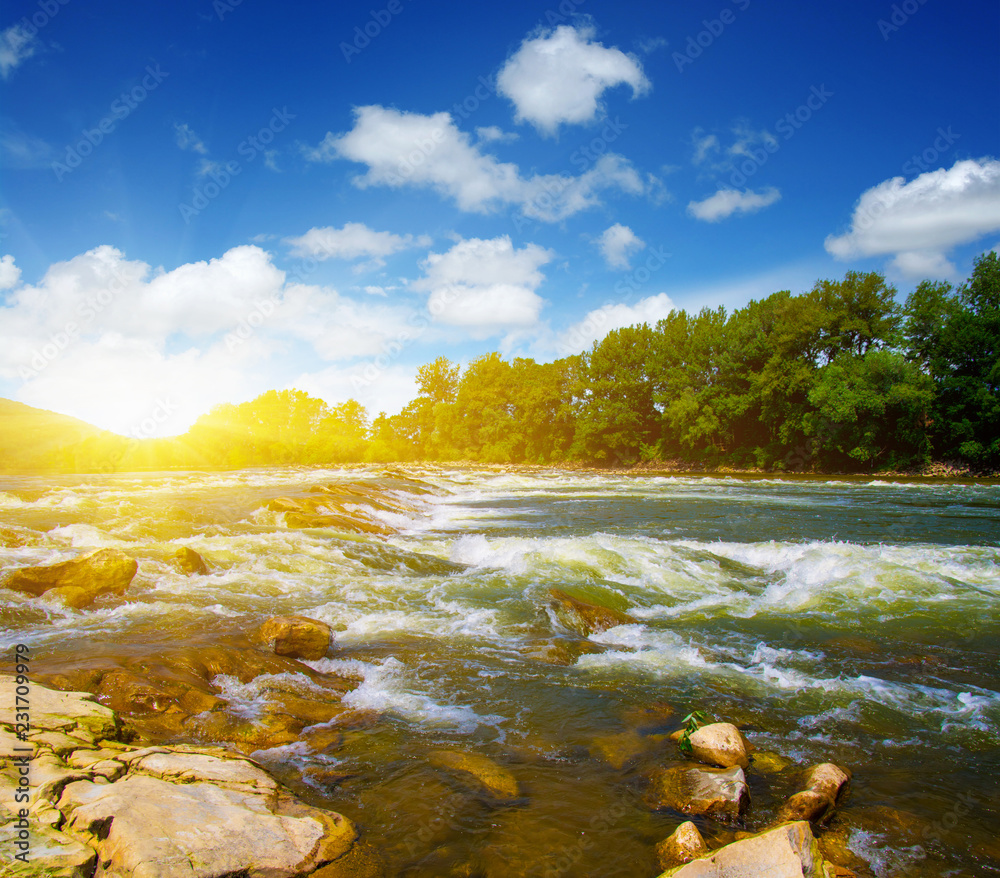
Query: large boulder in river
x,y
190,562
78,582
295,636
584,617
100,572
790,851
693,789
720,744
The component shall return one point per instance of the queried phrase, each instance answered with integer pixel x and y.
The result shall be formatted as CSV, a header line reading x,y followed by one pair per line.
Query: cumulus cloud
x,y
429,151
617,244
485,286
352,241
110,340
10,274
557,77
495,134
16,46
704,145
726,202
920,221
599,322
187,139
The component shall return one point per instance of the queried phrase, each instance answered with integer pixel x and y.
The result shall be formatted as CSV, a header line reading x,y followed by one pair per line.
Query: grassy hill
x,y
33,440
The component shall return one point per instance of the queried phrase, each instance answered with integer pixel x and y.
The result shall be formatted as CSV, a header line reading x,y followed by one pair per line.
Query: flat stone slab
x,y
790,851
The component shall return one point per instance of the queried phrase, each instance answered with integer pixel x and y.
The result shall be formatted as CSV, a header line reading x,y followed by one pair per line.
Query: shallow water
x,y
853,621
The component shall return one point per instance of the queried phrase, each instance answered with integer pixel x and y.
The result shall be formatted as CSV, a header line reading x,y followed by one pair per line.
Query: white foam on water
x,y
885,859
389,687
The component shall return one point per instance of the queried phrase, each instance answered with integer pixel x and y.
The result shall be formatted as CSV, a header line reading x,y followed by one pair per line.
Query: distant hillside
x,y
35,439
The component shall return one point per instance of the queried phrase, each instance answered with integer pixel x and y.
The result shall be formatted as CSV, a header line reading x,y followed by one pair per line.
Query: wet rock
x,y
489,777
52,853
68,712
806,805
307,512
583,617
767,762
649,717
188,561
829,779
790,851
624,748
295,636
361,861
560,651
80,581
719,744
682,846
15,538
721,793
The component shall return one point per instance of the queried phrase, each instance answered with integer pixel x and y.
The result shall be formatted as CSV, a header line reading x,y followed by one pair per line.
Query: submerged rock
x,y
190,562
624,748
696,790
489,777
720,744
682,846
584,617
79,581
295,636
789,851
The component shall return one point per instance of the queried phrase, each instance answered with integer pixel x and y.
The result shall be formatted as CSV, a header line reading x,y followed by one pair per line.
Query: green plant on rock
x,y
692,722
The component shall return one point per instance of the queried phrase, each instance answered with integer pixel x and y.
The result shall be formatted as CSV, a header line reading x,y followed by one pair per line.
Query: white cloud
x,y
726,202
485,286
599,322
16,46
352,241
617,244
558,76
10,274
187,139
379,388
704,144
920,221
111,340
495,134
21,150
410,149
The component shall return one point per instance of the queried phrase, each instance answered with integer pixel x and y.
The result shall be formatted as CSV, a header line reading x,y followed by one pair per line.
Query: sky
x,y
201,201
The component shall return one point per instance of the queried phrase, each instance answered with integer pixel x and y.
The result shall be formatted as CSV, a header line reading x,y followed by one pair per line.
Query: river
x,y
844,620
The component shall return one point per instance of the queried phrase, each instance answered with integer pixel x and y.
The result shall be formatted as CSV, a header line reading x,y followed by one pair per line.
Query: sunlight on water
x,y
852,621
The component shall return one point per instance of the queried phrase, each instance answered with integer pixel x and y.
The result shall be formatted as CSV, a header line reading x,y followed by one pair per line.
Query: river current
x,y
843,620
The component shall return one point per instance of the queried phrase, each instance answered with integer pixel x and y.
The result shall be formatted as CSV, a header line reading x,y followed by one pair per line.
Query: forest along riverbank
x,y
561,626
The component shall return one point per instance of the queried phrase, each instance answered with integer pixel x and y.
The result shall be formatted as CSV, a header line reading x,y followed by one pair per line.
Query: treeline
x,y
840,378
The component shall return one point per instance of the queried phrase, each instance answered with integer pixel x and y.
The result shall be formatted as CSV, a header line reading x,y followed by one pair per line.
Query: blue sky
x,y
201,201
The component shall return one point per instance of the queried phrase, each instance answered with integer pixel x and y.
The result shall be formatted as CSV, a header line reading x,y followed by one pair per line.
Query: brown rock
x,y
806,805
295,636
722,793
789,851
719,744
624,748
829,779
80,581
486,774
190,562
584,617
682,846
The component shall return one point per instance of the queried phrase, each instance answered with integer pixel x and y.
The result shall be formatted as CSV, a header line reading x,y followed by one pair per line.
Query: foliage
x,y
692,722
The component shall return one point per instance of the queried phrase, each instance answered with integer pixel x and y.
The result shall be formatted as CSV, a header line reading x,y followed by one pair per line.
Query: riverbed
x,y
832,619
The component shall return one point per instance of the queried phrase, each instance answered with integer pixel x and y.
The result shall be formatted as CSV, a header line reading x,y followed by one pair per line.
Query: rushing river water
x,y
852,621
